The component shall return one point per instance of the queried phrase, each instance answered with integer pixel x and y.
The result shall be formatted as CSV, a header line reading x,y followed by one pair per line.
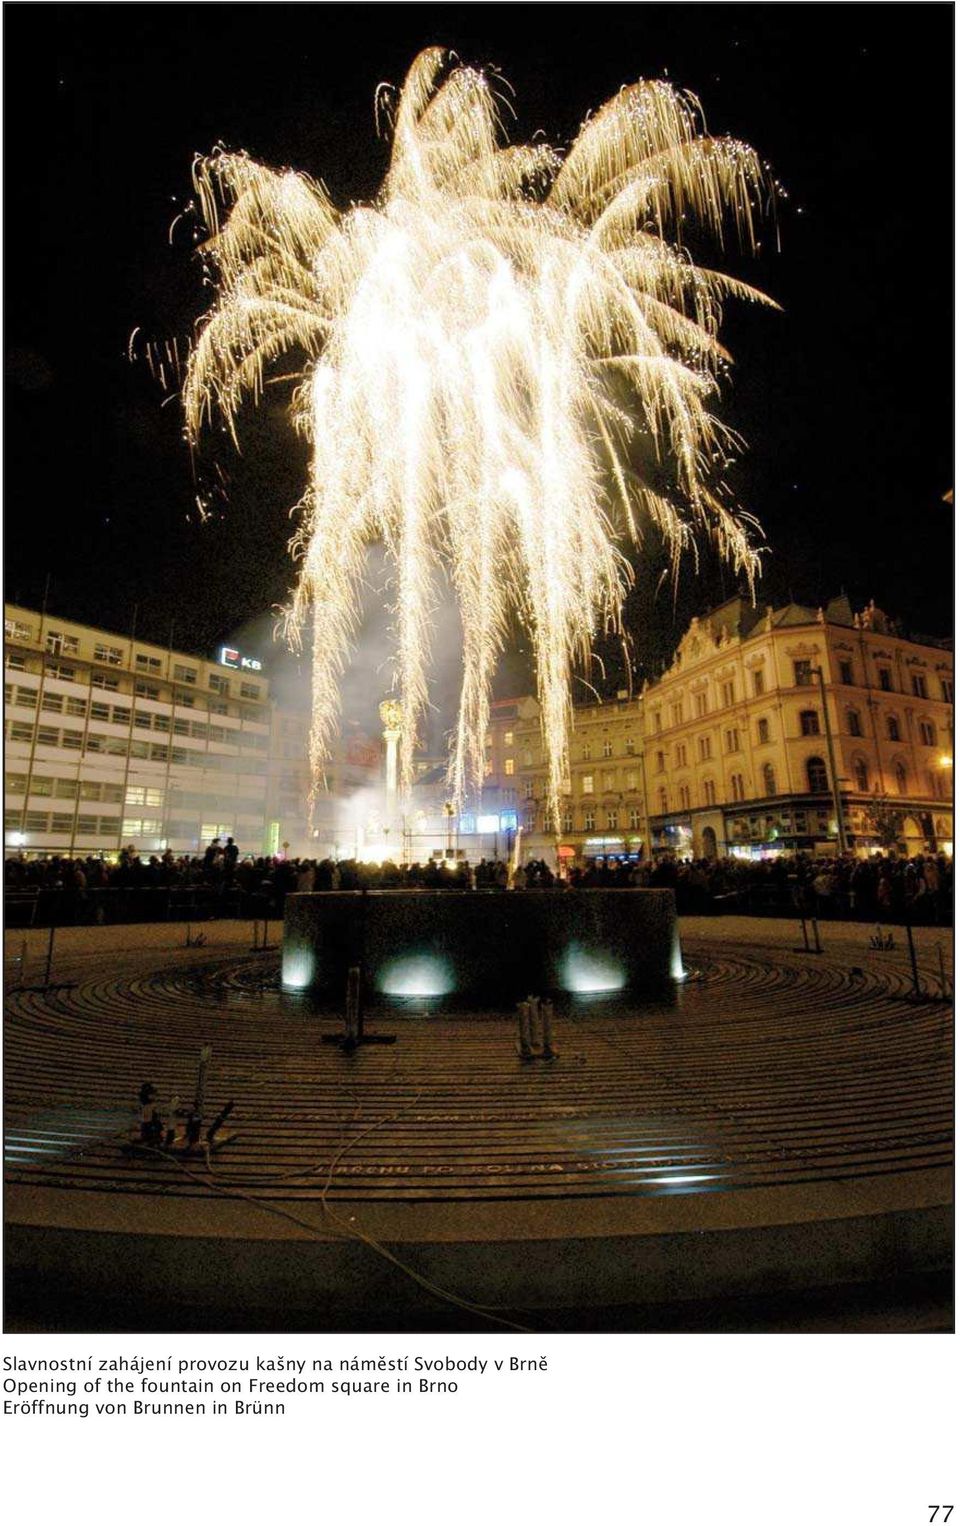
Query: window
x,y
631,778
885,681
676,713
148,664
142,718
15,630
661,762
48,736
219,685
189,700
662,800
507,735
700,701
59,645
120,715
609,779
846,670
585,752
16,662
99,711
657,721
27,698
184,675
809,723
710,792
52,703
566,821
900,774
919,685
36,821
86,826
71,739
705,748
763,729
731,739
630,747
946,689
816,776
635,820
736,787
726,693
893,728
803,673
680,755
15,784
90,789
685,797
252,691
104,681
75,706
928,734
145,690
41,786
613,821
22,731
607,748
759,681
508,765
528,789
62,671
769,779
112,655
861,776
586,784
853,723
589,821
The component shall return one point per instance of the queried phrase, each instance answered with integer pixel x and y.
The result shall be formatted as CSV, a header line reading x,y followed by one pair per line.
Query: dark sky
x,y
845,399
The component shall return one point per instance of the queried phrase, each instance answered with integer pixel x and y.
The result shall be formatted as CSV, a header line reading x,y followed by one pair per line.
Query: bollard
x,y
943,974
351,1035
523,1027
816,936
46,976
806,940
546,1018
913,962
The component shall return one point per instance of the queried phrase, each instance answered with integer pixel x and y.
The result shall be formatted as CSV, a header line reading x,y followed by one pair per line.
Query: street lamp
x,y
834,782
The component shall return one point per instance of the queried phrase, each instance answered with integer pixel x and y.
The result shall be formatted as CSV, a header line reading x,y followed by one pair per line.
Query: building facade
x,y
111,741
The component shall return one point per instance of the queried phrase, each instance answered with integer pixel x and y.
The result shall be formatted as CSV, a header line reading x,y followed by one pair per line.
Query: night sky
x,y
845,399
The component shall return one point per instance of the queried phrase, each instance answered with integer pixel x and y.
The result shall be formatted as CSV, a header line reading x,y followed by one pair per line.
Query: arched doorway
x,y
913,838
709,843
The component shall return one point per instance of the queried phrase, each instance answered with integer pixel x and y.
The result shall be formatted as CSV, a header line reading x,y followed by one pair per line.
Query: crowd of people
x,y
883,888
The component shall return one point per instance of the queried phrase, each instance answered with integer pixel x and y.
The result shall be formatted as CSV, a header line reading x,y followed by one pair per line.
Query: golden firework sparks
x,y
493,349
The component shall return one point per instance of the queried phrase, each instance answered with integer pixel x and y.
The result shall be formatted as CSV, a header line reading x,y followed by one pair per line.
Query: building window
x,y
586,785
853,723
816,776
919,684
676,713
613,821
705,748
662,800
893,728
148,664
709,792
607,748
809,723
61,671
680,755
763,729
759,682
249,691
685,797
111,655
508,765
15,630
861,776
731,739
726,693
700,700
59,645
585,752
803,673
104,681
184,675
17,662
846,671
884,676
900,774
661,762
630,747
946,689
736,787
631,778
566,821
635,820
508,738
219,685
53,704
589,821
657,721
928,735
769,779
145,690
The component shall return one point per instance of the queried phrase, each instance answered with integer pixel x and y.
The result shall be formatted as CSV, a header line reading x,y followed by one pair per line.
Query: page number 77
x,y
935,1513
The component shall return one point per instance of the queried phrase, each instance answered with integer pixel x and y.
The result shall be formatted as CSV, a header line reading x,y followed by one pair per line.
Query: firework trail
x,y
509,363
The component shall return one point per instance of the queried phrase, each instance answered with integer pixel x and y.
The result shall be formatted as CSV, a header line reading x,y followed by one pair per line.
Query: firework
x,y
509,368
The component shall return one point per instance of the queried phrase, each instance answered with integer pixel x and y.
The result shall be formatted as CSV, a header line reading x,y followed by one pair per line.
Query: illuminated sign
x,y
488,823
231,658
508,821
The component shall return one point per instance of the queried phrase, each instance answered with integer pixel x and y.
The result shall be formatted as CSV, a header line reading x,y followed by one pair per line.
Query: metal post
x,y
46,975
913,958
